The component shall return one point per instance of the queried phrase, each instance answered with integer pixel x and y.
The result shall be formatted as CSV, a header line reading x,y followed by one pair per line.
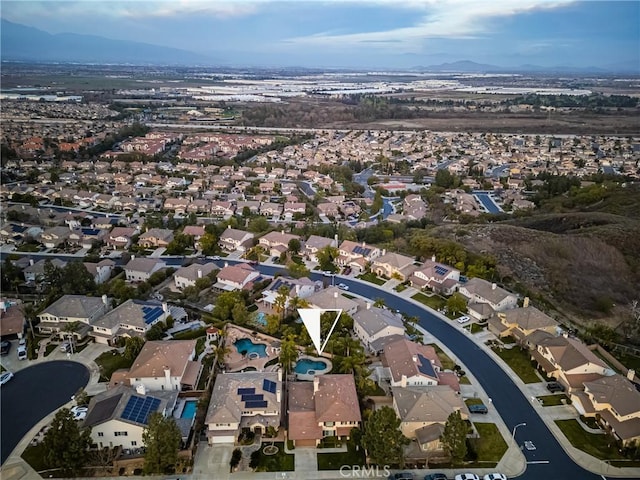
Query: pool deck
x,y
309,377
235,361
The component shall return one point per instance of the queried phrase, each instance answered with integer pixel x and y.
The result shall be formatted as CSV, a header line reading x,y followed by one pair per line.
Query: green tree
x,y
326,256
376,206
294,246
456,304
156,332
132,347
273,323
288,353
454,437
281,300
297,270
162,439
239,313
76,279
225,303
382,438
208,244
66,444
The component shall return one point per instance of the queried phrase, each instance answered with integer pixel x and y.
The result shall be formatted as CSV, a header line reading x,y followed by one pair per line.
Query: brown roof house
x,y
247,401
277,242
411,364
326,407
120,237
393,265
141,268
155,237
234,240
236,277
356,255
437,276
187,276
485,298
316,243
163,365
72,309
521,322
12,318
133,318
375,327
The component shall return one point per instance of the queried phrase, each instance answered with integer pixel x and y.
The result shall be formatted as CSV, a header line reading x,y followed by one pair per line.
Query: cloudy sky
x,y
359,33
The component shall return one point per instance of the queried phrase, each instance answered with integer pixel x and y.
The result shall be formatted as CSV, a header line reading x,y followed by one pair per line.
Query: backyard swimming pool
x,y
260,319
189,410
307,366
247,347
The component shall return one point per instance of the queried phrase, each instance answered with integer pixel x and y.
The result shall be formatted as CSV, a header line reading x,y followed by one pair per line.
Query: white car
x,y
80,415
327,273
342,286
494,476
5,377
79,409
463,319
22,352
215,257
467,476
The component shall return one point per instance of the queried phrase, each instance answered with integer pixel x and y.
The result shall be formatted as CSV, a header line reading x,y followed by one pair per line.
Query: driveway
x,y
32,394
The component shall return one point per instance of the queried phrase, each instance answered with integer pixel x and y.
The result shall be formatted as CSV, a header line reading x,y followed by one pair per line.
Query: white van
x,y
22,352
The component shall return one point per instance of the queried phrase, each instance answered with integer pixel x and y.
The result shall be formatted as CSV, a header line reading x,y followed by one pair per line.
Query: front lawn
x,y
447,363
333,461
111,361
371,278
434,301
477,328
400,287
280,462
520,363
490,447
553,400
600,446
473,401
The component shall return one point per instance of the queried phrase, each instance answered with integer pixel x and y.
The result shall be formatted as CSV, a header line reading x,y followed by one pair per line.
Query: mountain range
x,y
21,43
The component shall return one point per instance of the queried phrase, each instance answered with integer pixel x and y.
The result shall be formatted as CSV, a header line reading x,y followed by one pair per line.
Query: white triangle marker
x,y
311,319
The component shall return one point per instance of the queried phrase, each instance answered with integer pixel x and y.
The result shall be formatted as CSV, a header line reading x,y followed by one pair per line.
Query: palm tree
x,y
282,300
30,310
70,329
297,302
288,354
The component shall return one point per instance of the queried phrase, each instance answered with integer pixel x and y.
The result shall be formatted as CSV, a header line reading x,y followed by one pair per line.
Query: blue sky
x,y
359,33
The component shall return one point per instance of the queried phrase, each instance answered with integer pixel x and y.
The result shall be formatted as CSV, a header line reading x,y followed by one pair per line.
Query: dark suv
x,y
5,346
480,408
554,387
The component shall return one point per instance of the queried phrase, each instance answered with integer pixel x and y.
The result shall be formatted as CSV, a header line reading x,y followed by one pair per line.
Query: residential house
x,y
118,416
296,287
326,407
12,319
570,362
72,314
253,207
222,209
329,209
141,268
234,240
87,237
331,298
196,231
393,265
437,276
521,322
314,244
155,237
133,318
277,243
120,237
187,276
270,209
163,365
375,327
52,237
411,364
356,255
101,271
34,273
294,208
241,402
414,207
236,277
485,298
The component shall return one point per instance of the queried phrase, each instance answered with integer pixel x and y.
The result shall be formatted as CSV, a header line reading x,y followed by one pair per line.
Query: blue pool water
x,y
189,410
260,319
247,346
304,365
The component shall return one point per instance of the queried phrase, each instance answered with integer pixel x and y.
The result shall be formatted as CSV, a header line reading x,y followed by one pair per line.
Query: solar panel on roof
x,y
425,366
440,270
90,231
246,391
138,408
249,397
256,404
151,314
269,386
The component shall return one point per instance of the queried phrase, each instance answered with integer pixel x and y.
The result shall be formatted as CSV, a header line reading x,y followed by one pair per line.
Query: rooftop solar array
x,y
269,386
245,391
138,409
252,398
440,270
90,231
362,250
256,404
425,366
151,314
18,228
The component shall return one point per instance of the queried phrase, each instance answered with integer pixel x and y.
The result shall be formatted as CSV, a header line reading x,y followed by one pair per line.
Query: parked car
x,y
402,476
215,257
327,273
22,341
343,286
479,408
66,346
435,476
5,377
79,409
467,476
80,415
5,347
494,476
22,352
554,387
463,319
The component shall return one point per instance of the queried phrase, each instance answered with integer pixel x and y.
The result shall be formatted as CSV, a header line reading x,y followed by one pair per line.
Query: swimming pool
x,y
189,410
246,346
307,366
260,319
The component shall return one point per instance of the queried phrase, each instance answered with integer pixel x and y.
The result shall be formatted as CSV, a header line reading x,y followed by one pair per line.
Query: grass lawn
x,y
476,328
207,363
434,301
280,462
371,278
447,363
333,461
473,401
350,297
520,363
111,361
400,287
191,334
553,400
34,456
49,348
600,446
490,447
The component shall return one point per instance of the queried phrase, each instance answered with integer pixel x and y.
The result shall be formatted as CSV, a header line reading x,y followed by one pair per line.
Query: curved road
x,y
549,460
32,394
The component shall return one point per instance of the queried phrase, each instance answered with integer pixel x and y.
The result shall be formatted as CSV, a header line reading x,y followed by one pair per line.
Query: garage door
x,y
228,439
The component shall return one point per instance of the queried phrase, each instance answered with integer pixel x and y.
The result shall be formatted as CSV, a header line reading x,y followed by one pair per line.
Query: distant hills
x,y
28,44
467,66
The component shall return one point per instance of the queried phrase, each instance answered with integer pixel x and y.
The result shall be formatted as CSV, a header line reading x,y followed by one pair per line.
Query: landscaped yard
x,y
473,401
400,287
434,301
476,328
520,363
280,462
371,278
600,446
553,400
333,461
111,361
490,447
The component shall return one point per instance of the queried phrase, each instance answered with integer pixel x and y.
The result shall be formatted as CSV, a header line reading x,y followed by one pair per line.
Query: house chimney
x,y
280,375
493,286
228,226
105,300
384,251
525,303
368,305
167,378
141,389
278,396
631,373
364,244
133,257
335,239
31,262
433,258
165,307
199,273
226,264
316,383
282,231
335,294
